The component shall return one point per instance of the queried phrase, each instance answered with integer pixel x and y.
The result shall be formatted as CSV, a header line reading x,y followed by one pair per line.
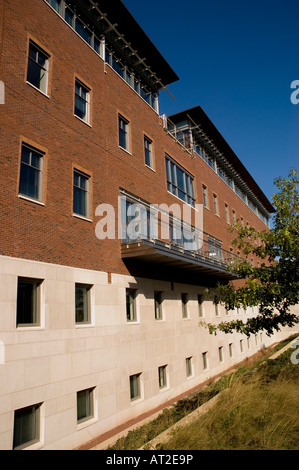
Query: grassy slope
x,y
252,415
260,411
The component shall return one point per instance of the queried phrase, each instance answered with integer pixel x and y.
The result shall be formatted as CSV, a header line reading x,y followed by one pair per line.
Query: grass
x,y
258,408
260,411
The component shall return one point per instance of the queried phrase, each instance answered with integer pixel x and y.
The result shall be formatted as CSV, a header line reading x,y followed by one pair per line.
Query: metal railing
x,y
180,239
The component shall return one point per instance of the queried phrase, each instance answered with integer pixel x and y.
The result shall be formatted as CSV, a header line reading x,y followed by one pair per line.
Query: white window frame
x,y
184,303
86,420
221,354
87,90
148,147
215,202
46,56
189,367
135,318
205,196
205,361
124,126
89,306
41,156
39,301
37,441
86,190
158,307
138,378
163,377
200,301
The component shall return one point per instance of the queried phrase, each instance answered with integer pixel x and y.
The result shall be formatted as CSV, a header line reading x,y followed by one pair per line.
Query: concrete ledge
x,y
164,436
285,348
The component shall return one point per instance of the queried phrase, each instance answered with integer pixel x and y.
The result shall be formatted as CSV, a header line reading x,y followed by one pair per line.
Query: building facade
x,y
96,331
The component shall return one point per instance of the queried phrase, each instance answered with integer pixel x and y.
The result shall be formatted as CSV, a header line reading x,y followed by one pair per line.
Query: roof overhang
x,y
200,118
122,20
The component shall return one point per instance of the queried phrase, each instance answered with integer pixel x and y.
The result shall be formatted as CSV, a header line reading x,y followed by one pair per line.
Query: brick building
x,y
96,332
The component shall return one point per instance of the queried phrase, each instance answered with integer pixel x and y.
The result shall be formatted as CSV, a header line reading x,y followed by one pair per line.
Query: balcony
x,y
154,246
203,262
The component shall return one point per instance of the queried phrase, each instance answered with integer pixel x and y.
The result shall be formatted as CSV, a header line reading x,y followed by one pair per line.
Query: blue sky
x,y
237,60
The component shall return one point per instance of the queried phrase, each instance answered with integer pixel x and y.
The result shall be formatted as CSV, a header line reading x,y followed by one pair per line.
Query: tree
x,y
272,285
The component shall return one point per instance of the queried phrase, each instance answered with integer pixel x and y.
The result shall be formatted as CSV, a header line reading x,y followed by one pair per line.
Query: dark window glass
x,y
56,5
179,182
135,386
37,72
148,152
130,304
84,405
123,133
27,301
31,173
26,426
81,101
69,16
80,203
82,303
158,305
82,30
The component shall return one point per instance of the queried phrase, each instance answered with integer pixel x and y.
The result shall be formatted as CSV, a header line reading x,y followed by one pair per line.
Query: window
x,y
215,204
28,302
184,298
216,305
162,373
189,369
205,196
81,194
234,216
82,303
215,251
226,213
31,173
179,182
158,305
205,360
82,102
135,388
85,405
230,349
123,133
220,352
69,16
56,4
83,31
148,152
248,343
200,305
38,67
26,426
241,345
131,304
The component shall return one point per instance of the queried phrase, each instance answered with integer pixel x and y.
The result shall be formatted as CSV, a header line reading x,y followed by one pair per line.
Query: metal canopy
x,y
217,141
129,40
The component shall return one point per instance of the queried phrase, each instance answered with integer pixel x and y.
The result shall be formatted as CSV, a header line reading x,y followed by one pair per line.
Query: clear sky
x,y
237,60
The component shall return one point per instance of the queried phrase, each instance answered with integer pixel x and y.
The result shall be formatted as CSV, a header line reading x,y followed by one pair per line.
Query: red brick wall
x,y
50,233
